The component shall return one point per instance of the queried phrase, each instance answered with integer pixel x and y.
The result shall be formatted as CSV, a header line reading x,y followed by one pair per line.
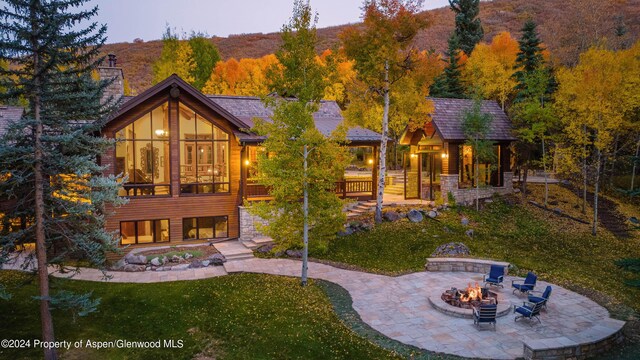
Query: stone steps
x,y
234,250
257,242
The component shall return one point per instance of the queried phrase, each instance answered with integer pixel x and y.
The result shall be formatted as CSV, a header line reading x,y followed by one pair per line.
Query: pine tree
x,y
48,159
205,57
468,27
448,84
306,164
529,57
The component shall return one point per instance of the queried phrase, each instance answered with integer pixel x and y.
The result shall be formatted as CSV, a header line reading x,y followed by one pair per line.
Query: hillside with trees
x,y
557,22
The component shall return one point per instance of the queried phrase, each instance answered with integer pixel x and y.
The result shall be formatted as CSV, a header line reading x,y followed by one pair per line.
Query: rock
x,y
415,216
118,265
187,256
488,201
147,268
346,232
294,253
205,263
452,249
557,211
469,233
217,259
133,268
195,264
180,267
156,261
162,268
432,203
402,215
265,248
165,260
279,254
135,259
424,230
432,214
464,221
175,258
391,216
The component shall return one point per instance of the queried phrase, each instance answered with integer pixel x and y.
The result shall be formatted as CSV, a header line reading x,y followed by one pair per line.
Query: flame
x,y
472,293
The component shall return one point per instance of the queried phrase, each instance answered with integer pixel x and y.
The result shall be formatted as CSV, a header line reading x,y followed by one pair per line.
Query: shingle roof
x,y
9,114
327,118
448,114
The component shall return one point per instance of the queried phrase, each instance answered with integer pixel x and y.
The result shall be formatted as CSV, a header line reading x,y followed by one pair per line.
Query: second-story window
x,y
142,153
204,155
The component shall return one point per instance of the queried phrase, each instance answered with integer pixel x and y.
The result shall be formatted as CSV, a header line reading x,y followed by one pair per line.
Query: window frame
x,y
153,226
196,142
197,227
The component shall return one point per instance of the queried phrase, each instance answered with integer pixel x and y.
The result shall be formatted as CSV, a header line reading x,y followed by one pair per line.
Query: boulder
x,y
294,253
265,248
452,249
432,214
187,256
133,268
469,233
464,221
217,259
135,259
205,263
180,267
165,260
346,232
156,261
175,258
415,216
402,215
432,203
118,265
391,216
195,264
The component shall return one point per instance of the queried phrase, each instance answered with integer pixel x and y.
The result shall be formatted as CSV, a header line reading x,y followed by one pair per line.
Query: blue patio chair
x,y
485,314
527,284
528,310
542,297
495,276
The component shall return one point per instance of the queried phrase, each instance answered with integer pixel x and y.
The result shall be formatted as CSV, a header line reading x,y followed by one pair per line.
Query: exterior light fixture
x,y
247,162
161,133
445,155
414,155
370,161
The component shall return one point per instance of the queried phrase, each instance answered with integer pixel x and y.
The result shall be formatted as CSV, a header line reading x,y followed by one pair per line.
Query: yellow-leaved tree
x,y
597,101
490,68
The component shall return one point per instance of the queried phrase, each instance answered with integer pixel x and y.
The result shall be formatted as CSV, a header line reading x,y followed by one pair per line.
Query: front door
x,y
430,167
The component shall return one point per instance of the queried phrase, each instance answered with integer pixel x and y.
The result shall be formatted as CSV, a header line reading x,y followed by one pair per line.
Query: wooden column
x,y
374,174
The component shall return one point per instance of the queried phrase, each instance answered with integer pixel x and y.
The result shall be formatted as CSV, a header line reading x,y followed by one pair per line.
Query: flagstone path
x,y
399,308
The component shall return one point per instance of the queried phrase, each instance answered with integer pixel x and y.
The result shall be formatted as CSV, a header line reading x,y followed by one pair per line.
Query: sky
x,y
146,19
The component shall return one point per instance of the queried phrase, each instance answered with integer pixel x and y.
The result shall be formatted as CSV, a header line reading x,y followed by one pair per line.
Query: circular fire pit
x,y
460,302
472,296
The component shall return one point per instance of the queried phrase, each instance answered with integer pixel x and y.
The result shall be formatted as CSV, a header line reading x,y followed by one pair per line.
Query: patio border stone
x,y
451,264
565,348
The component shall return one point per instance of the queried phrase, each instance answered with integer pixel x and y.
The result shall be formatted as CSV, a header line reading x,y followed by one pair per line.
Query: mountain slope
x,y
556,18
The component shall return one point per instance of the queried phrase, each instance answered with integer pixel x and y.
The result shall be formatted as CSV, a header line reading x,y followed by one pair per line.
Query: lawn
x,y
245,316
559,250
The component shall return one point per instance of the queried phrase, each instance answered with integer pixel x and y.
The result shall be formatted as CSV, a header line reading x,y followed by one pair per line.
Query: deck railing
x,y
343,188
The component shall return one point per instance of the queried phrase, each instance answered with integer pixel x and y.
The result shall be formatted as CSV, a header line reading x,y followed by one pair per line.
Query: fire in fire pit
x,y
470,297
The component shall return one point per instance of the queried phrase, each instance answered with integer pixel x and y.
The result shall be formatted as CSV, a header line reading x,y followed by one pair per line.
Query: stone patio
x,y
399,308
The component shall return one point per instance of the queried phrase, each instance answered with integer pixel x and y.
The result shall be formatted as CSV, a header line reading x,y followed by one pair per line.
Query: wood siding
x,y
175,207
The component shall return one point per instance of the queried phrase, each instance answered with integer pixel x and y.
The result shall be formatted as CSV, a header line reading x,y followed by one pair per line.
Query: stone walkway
x,y
399,308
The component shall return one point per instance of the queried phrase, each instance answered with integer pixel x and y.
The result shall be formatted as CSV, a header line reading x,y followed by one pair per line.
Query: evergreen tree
x,y
48,159
205,57
448,84
468,28
529,57
306,164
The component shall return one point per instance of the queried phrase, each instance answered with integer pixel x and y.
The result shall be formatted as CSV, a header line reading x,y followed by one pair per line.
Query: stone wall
x,y
115,90
464,264
540,349
449,183
248,229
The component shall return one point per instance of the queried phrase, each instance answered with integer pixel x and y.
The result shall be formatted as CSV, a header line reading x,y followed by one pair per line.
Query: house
x,y
439,162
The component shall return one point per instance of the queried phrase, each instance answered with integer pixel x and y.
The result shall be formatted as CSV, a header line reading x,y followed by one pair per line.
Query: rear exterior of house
x,y
440,163
190,162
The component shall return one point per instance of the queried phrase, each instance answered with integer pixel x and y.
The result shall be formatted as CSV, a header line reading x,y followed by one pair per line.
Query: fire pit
x,y
470,297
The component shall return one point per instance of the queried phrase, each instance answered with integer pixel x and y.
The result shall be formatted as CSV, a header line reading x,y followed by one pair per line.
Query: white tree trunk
x,y
595,195
305,231
383,146
633,171
477,177
544,168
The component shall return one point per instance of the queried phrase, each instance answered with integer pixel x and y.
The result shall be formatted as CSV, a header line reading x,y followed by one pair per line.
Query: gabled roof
x,y
174,80
327,118
448,113
9,114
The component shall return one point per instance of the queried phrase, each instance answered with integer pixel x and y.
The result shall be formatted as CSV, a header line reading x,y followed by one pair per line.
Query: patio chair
x,y
527,284
542,297
485,314
495,276
528,310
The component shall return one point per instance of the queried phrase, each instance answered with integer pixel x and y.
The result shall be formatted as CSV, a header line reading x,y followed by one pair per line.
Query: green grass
x,y
557,249
245,316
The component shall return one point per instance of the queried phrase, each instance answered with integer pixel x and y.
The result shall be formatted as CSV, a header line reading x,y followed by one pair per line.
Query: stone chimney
x,y
115,90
